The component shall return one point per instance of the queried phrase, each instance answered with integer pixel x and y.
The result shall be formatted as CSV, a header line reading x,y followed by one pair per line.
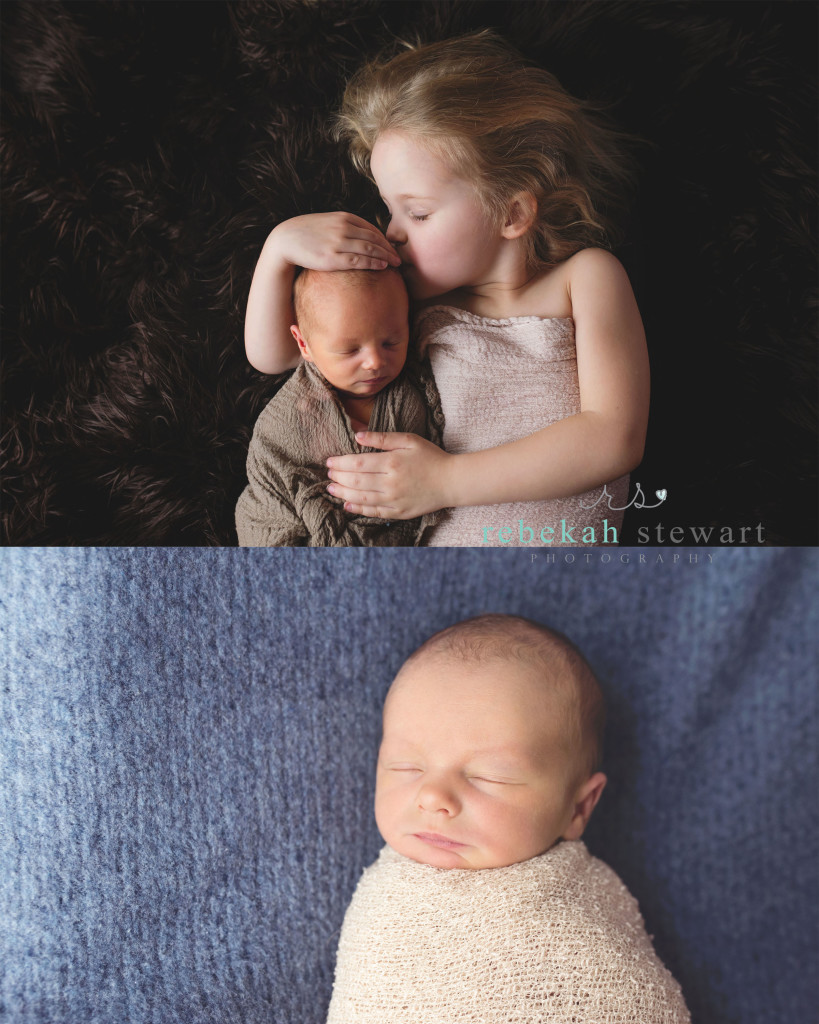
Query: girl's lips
x,y
433,839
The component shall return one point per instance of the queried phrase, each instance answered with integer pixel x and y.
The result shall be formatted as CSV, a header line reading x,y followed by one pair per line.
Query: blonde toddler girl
x,y
496,182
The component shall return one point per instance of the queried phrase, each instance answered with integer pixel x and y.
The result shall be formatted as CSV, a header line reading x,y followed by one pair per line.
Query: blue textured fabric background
x,y
188,739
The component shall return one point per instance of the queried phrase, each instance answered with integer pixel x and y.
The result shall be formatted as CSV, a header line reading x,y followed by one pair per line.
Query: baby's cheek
x,y
387,811
521,832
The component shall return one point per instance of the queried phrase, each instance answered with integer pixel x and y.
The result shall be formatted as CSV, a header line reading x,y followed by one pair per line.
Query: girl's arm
x,y
321,241
598,444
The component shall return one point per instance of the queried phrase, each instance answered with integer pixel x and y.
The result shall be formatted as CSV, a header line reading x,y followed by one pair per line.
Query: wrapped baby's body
x,y
556,938
484,906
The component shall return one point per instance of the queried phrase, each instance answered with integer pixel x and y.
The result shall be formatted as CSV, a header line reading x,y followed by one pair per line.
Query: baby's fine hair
x,y
503,124
309,283
503,637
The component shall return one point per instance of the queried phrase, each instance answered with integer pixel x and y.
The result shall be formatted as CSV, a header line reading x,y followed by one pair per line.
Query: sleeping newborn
x,y
353,333
485,906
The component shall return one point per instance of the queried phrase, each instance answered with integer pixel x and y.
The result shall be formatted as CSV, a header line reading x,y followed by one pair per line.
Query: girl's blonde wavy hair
x,y
503,124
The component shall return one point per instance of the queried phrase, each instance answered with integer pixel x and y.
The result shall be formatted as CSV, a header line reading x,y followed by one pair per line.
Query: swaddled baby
x,y
353,334
485,906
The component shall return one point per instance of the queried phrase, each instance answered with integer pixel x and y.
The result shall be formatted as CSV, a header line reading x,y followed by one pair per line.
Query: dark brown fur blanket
x,y
148,149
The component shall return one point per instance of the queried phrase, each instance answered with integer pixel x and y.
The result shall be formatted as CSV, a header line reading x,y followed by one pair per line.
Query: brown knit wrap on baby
x,y
557,938
286,500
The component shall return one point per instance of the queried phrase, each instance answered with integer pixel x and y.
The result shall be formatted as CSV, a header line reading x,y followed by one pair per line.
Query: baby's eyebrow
x,y
514,755
399,741
503,757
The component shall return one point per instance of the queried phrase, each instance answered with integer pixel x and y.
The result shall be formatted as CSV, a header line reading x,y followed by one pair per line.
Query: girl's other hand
x,y
332,241
404,481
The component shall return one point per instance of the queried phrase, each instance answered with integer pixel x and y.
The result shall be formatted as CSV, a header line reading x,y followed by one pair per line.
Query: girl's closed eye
x,y
418,216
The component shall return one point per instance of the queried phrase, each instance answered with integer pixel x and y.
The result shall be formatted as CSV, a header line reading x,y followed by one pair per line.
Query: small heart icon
x,y
662,495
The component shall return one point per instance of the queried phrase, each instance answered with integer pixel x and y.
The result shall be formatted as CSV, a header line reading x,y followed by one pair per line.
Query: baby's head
x,y
502,124
491,744
353,325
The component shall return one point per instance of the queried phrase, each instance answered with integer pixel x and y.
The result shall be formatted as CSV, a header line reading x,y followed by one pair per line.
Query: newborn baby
x,y
485,906
352,330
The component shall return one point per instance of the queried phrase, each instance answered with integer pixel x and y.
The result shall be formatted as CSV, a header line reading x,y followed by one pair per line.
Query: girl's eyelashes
x,y
386,214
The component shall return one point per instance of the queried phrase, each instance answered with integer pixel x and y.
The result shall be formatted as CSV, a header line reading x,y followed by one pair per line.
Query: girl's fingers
x,y
343,465
373,511
358,254
355,261
374,462
348,257
366,228
372,248
388,441
355,487
355,500
334,241
367,232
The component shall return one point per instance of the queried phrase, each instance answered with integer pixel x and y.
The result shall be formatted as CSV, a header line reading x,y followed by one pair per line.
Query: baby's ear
x,y
585,802
300,341
520,215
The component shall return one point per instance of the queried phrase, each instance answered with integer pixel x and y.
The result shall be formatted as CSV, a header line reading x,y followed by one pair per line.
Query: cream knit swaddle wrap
x,y
554,939
499,381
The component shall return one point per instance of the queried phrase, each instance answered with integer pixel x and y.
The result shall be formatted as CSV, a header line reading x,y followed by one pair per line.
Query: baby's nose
x,y
373,359
434,796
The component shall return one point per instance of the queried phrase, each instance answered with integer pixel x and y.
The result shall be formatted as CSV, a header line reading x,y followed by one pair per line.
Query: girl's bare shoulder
x,y
595,269
558,290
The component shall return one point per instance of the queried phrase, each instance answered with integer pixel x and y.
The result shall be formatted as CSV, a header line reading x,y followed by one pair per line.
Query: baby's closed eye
x,y
494,780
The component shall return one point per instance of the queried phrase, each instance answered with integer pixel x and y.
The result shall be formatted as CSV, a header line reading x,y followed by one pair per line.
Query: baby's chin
x,y
461,856
364,389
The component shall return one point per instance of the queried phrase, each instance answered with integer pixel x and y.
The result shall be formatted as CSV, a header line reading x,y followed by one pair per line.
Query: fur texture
x,y
149,148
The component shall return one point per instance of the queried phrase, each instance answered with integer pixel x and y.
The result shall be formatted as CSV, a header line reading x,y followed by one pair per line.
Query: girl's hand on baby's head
x,y
332,241
404,481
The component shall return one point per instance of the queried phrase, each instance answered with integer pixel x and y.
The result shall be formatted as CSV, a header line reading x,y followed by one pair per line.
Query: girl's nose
x,y
393,235
435,796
